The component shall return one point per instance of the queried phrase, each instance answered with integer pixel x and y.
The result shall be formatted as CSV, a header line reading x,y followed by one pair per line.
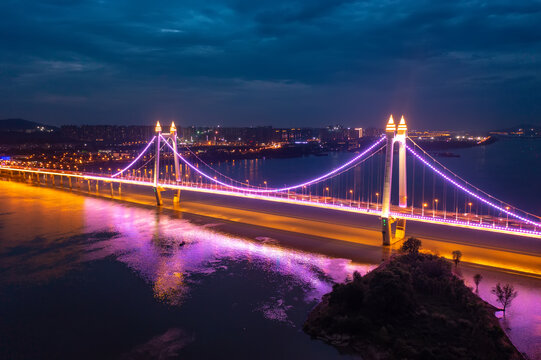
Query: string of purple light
x,y
261,191
137,158
469,192
216,171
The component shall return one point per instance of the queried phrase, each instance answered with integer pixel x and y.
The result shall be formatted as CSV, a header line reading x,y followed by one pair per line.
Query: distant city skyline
x,y
460,65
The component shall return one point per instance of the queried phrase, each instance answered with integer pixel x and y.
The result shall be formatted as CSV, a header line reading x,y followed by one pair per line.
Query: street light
x,y
327,191
507,221
351,200
424,206
436,201
469,217
377,201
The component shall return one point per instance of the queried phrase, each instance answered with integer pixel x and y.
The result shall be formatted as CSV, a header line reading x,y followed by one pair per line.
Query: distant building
x,y
373,132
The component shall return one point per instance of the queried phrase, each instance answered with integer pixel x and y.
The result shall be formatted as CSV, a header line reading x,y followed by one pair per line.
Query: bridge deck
x,y
468,221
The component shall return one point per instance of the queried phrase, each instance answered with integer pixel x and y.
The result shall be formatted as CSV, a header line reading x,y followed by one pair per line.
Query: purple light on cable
x,y
469,191
261,191
137,158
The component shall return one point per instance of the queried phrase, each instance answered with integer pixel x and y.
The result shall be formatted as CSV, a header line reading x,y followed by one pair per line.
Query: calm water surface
x,y
84,277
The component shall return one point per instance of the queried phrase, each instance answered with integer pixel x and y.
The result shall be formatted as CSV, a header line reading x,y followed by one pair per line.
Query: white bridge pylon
x,y
394,134
166,136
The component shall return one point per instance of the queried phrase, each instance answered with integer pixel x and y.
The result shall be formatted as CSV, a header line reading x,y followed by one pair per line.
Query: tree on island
x,y
411,246
457,255
504,294
477,279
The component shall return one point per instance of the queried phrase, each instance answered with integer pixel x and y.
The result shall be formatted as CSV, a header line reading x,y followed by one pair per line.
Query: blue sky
x,y
446,64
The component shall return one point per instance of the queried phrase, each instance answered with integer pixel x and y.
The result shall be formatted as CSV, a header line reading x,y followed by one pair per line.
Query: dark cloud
x,y
449,63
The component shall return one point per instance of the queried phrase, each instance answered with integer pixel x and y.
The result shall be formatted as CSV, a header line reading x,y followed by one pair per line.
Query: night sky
x,y
446,64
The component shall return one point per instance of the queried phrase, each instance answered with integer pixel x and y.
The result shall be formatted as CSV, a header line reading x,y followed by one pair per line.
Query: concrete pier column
x,y
176,197
158,194
400,231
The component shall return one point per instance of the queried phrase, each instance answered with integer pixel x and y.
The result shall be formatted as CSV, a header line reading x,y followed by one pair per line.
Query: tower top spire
x,y
402,127
173,128
158,127
391,127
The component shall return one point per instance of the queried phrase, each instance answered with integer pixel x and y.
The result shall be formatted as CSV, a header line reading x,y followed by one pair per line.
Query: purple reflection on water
x,y
169,253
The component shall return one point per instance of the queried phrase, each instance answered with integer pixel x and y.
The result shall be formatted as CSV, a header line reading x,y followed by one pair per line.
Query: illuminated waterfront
x,y
179,282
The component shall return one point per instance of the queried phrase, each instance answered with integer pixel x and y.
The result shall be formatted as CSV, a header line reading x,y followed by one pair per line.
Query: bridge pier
x,y
158,193
400,231
176,197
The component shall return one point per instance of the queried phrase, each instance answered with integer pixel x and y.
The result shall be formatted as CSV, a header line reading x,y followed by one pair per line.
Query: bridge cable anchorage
x,y
137,158
469,192
325,176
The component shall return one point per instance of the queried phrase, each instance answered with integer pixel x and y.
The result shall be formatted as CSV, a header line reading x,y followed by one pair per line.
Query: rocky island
x,y
410,307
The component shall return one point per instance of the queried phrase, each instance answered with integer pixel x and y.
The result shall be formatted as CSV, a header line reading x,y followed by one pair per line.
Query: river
x,y
87,277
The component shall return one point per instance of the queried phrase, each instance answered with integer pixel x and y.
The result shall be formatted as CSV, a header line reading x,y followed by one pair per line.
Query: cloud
x,y
318,62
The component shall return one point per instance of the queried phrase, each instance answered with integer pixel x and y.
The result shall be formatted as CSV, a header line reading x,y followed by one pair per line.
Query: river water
x,y
88,277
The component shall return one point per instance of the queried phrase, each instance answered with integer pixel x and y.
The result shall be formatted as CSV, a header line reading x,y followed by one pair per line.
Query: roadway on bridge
x,y
514,253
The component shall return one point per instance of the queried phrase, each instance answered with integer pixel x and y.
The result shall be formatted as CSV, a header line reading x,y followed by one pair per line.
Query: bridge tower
x,y
173,137
401,134
157,190
394,134
386,220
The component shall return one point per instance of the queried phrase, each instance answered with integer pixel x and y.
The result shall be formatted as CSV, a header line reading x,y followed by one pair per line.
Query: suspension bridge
x,y
423,191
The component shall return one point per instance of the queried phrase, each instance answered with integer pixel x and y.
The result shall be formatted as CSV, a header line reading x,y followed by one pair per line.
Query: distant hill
x,y
26,126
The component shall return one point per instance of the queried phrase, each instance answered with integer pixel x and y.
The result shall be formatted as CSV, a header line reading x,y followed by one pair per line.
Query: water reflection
x,y
170,253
